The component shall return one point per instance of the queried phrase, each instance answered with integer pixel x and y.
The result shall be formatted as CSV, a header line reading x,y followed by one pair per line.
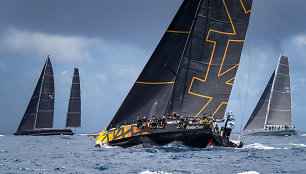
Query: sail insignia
x,y
209,65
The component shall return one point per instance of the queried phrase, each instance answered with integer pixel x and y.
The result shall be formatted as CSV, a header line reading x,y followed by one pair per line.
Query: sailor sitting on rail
x,y
204,118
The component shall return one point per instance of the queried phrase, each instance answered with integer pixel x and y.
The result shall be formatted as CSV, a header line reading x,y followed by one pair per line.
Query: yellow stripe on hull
x,y
120,133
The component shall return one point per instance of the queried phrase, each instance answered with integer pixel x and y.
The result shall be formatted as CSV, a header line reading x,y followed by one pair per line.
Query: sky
x,y
111,41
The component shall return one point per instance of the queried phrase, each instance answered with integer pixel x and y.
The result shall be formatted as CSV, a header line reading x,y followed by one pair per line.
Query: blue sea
x,y
77,154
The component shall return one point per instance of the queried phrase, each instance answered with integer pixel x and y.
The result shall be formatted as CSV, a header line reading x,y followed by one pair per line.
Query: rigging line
x,y
248,83
239,95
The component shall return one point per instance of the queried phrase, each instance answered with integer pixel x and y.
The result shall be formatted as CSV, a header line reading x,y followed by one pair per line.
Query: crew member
x,y
139,121
205,120
217,130
229,124
164,122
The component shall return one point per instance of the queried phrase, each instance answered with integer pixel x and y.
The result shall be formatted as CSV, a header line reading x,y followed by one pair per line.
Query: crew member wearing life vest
x,y
229,124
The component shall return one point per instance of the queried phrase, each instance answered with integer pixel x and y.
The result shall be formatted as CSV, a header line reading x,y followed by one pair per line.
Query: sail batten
x,y
74,107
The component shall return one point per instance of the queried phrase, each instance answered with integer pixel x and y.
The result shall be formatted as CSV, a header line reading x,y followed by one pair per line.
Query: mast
x,y
74,108
269,103
43,78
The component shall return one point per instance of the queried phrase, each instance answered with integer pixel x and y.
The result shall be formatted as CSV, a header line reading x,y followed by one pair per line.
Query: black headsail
x,y
203,36
151,92
74,108
258,117
39,113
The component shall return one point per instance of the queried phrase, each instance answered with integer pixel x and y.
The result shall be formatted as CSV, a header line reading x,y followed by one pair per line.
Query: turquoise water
x,y
77,154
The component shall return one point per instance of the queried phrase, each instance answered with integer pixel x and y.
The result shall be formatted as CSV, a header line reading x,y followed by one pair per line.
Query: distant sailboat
x,y
74,108
190,74
38,118
272,114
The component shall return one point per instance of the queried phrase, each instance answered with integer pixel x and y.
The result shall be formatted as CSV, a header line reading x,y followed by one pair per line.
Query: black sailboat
x,y
272,114
38,118
191,73
74,108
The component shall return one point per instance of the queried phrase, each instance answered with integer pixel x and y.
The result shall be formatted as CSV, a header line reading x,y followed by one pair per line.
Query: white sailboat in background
x,y
272,114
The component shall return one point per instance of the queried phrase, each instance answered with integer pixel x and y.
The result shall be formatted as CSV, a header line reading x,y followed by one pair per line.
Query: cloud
x,y
67,49
298,45
64,73
101,77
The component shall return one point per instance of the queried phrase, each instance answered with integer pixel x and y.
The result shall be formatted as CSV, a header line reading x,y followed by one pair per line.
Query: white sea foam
x,y
303,135
106,146
249,172
157,172
1,135
259,146
298,145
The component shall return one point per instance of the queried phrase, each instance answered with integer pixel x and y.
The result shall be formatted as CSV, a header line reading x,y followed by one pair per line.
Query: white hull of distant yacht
x,y
267,132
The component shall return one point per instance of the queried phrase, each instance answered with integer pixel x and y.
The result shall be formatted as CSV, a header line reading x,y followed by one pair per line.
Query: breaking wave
x,y
106,146
157,172
298,145
249,172
259,146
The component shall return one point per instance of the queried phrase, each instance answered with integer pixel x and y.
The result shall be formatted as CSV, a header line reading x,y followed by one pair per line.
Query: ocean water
x,y
77,154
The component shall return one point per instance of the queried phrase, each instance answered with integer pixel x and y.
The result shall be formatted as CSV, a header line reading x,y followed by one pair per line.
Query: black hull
x,y
46,132
200,136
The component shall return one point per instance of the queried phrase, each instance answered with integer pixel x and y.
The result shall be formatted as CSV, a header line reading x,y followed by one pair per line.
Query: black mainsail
x,y
274,106
193,68
74,108
39,113
191,72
